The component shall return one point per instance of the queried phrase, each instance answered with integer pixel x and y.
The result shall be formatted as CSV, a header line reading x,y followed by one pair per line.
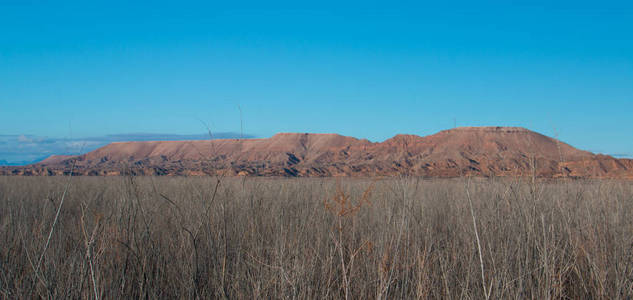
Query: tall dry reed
x,y
257,238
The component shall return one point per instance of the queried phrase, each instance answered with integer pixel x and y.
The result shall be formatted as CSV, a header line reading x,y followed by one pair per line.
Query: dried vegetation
x,y
248,238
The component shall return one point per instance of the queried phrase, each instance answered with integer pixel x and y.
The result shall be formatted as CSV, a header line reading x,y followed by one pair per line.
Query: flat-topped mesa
x,y
478,151
316,141
305,135
293,137
496,129
404,137
403,141
55,159
495,140
457,133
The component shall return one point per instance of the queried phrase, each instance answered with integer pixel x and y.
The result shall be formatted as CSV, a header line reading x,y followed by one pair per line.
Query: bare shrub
x,y
258,238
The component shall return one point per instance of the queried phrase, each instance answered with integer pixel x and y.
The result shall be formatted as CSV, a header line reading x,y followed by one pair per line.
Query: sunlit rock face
x,y
465,151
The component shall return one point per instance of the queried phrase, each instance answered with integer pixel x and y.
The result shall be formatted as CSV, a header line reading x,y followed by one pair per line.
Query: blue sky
x,y
88,70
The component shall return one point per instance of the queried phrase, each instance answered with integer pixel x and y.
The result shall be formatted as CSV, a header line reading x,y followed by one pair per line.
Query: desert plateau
x,y
465,151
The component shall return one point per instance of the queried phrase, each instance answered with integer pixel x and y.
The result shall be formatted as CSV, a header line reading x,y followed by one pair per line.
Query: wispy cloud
x,y
622,155
26,149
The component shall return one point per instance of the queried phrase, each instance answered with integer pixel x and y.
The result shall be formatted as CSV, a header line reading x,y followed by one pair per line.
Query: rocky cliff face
x,y
478,151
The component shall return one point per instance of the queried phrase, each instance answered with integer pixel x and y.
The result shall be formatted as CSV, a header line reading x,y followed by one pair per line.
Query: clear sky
x,y
89,69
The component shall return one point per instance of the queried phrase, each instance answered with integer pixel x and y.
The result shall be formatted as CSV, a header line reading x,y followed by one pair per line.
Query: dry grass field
x,y
262,238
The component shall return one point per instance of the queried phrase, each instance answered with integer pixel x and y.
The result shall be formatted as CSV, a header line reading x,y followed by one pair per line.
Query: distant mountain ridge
x,y
463,151
4,162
